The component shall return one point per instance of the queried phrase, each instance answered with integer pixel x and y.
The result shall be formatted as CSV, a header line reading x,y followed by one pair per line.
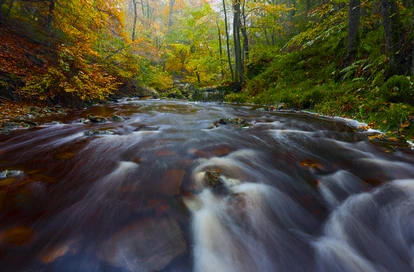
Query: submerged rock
x,y
17,236
147,245
171,181
65,155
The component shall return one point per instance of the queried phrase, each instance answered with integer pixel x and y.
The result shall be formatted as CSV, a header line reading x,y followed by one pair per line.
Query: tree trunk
x,y
238,76
412,46
134,2
394,35
353,26
9,8
49,20
1,9
221,50
412,57
227,40
172,2
244,33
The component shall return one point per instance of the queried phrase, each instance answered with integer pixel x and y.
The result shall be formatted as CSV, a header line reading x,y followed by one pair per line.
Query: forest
x,y
348,58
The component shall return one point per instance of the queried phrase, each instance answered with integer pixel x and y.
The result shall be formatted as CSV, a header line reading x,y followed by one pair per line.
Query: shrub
x,y
398,89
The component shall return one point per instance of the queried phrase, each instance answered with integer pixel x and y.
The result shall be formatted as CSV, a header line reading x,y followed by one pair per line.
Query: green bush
x,y
398,89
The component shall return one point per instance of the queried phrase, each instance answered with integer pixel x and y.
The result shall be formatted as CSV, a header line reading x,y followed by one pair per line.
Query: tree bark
x,y
238,76
412,46
227,40
353,26
394,35
134,27
49,20
172,2
9,8
1,9
244,33
220,50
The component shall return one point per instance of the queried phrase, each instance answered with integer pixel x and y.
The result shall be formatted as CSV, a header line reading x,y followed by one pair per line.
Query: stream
x,y
183,186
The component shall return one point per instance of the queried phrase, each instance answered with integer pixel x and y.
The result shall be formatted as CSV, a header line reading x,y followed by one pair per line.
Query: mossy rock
x,y
97,119
117,118
98,132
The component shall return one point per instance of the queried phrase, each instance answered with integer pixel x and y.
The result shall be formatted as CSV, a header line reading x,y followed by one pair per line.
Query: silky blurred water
x,y
170,187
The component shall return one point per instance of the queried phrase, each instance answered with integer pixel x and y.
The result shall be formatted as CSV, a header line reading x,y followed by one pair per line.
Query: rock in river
x,y
97,119
98,132
147,245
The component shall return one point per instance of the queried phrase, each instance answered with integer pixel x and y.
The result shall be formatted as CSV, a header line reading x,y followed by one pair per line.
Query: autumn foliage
x,y
60,55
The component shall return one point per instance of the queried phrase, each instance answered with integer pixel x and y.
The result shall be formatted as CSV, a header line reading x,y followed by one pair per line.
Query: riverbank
x,y
18,115
394,120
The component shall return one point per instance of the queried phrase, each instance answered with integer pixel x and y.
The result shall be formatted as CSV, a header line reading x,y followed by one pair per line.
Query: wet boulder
x,y
212,178
8,177
96,119
142,91
147,245
236,122
117,118
9,173
7,126
98,132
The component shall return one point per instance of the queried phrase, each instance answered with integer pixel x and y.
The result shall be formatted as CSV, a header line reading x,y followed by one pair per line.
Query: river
x,y
180,186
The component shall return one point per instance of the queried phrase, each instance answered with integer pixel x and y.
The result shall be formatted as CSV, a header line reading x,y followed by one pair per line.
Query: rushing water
x,y
170,188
